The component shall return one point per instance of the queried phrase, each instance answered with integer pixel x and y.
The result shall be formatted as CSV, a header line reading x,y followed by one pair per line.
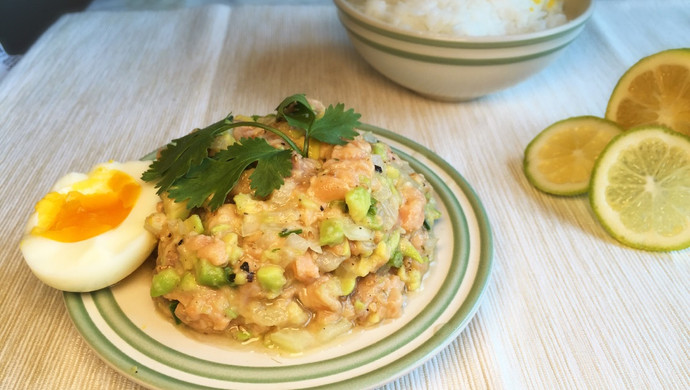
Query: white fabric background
x,y
567,306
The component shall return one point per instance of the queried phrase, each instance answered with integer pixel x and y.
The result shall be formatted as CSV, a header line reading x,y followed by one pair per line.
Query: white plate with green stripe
x,y
123,327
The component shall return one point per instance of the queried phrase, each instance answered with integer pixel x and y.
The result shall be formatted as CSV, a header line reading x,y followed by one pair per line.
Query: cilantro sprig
x,y
187,171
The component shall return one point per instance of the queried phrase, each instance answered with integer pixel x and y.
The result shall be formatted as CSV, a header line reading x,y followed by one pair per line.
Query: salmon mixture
x,y
338,246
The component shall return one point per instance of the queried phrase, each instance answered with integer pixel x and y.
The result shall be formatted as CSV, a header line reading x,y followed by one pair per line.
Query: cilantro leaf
x,y
185,170
216,176
182,154
336,126
208,178
270,171
297,111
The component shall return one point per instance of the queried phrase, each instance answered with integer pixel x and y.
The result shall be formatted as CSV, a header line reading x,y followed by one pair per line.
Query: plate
x,y
122,326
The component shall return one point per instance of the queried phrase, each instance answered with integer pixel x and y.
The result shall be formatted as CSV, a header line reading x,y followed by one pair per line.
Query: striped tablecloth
x,y
566,306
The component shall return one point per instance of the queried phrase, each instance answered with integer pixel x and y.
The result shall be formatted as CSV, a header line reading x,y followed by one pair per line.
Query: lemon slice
x,y
654,91
640,189
559,160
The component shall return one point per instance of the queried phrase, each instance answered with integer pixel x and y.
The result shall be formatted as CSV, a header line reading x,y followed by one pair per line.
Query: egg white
x,y
99,261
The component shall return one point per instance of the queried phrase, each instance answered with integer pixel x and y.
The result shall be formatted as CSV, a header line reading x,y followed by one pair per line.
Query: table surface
x,y
566,307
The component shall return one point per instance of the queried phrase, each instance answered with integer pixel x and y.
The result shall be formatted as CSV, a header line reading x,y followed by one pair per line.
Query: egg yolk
x,y
91,207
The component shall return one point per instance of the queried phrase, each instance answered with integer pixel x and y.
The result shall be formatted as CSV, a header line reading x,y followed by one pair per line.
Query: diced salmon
x,y
323,294
203,309
340,176
207,247
225,215
411,211
378,297
304,268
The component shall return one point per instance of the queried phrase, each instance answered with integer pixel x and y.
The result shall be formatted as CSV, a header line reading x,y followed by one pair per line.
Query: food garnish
x,y
654,91
288,229
187,171
559,160
637,180
641,186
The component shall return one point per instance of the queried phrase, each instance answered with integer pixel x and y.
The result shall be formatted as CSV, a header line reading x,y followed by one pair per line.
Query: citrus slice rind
x,y
640,189
654,91
559,160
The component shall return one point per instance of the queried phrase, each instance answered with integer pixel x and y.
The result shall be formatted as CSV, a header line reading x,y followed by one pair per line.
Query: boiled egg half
x,y
88,232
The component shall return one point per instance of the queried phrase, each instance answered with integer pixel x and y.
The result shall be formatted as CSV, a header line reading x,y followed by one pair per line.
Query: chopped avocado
x,y
373,220
359,305
308,204
219,229
411,278
396,259
193,224
230,313
271,277
314,149
164,282
247,205
393,241
188,282
392,172
241,278
222,141
379,148
187,257
241,334
210,275
408,250
347,284
232,247
431,213
366,265
358,202
173,209
331,232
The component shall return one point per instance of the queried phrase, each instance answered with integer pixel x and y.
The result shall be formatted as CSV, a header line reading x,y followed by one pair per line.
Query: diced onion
x,y
328,261
356,232
301,244
250,224
377,160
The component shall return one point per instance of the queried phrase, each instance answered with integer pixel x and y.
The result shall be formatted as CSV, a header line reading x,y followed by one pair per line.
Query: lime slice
x,y
559,160
640,189
654,91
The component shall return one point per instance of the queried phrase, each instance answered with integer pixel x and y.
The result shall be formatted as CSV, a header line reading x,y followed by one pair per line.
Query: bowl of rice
x,y
458,50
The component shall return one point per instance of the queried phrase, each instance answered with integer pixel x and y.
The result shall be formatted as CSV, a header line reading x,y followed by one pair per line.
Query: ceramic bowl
x,y
458,68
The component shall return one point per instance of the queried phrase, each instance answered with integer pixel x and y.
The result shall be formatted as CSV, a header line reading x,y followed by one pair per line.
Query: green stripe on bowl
x,y
450,60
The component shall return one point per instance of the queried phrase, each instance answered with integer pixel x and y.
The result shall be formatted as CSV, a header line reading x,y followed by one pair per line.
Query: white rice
x,y
466,17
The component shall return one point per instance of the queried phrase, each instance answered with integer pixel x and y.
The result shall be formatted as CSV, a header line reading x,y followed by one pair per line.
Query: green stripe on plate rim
x,y
129,332
450,42
112,355
454,61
